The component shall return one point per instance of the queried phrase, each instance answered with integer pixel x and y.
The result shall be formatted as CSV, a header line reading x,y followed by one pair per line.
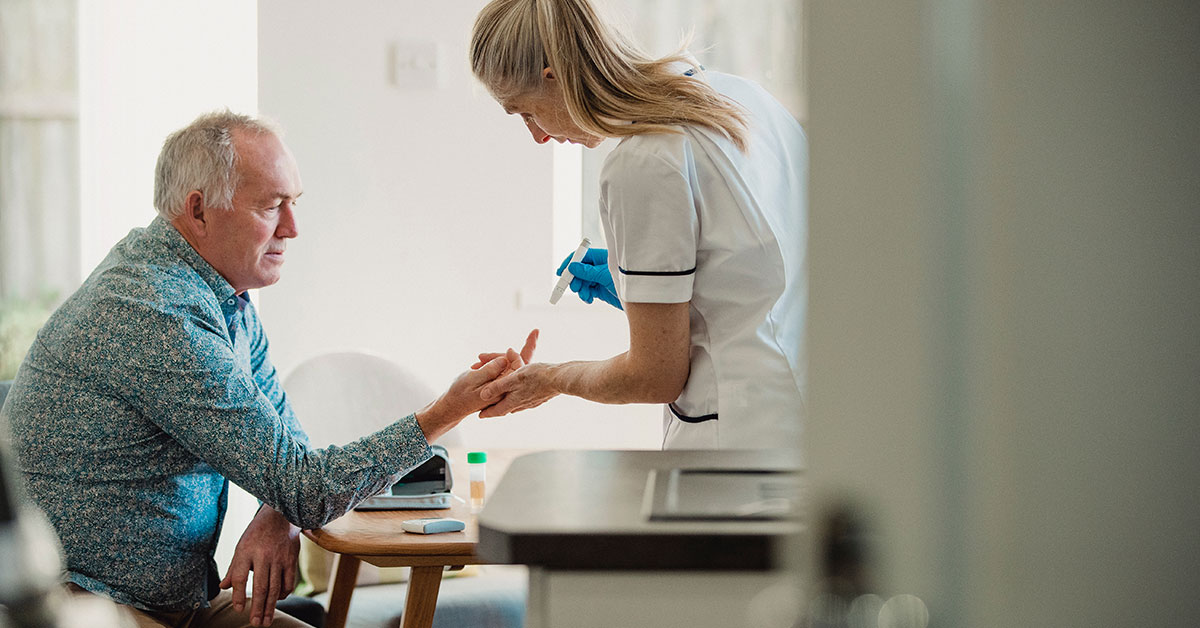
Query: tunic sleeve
x,y
648,206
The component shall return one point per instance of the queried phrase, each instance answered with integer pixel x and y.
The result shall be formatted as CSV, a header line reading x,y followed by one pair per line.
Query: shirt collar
x,y
230,308
163,231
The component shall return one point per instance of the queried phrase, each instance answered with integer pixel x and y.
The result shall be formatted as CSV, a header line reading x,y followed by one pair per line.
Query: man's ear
x,y
193,212
548,74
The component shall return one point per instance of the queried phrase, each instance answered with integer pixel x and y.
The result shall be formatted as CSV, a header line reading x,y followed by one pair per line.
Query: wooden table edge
x,y
428,547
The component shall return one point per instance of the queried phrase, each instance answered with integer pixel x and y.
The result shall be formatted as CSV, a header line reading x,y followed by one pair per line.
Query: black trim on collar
x,y
691,419
658,273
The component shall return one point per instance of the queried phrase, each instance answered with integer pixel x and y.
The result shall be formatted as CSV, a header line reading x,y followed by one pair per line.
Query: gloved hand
x,y
592,278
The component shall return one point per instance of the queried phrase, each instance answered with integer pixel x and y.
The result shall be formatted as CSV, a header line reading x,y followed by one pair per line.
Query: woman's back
x,y
689,217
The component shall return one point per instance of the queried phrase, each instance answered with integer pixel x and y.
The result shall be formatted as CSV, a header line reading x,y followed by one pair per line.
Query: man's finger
x,y
498,388
530,345
237,580
273,596
492,369
484,358
262,578
514,360
501,408
490,412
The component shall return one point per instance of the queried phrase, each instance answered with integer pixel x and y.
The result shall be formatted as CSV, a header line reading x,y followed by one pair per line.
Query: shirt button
x,y
231,301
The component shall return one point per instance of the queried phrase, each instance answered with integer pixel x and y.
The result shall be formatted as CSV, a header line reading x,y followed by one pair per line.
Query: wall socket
x,y
413,64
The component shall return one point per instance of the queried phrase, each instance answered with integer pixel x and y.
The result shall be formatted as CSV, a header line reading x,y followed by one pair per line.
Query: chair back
x,y
340,397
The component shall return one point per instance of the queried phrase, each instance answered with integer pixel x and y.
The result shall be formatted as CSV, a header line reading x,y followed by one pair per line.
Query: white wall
x,y
147,68
426,226
1005,284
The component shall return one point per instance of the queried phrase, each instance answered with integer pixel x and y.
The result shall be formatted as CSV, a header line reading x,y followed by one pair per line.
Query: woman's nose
x,y
539,136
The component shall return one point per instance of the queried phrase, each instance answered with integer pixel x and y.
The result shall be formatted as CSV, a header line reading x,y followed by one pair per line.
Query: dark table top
x,y
589,510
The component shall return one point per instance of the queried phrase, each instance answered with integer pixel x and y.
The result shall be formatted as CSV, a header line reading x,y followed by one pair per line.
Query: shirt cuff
x,y
657,288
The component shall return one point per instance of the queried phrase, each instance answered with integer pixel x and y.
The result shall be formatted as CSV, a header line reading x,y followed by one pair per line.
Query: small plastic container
x,y
477,469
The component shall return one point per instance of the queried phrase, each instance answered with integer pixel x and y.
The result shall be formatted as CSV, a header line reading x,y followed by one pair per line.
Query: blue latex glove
x,y
592,278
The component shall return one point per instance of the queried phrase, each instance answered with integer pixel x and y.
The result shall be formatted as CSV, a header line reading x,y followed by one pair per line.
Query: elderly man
x,y
150,389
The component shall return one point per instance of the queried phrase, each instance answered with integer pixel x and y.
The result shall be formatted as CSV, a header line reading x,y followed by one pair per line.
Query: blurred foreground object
x,y
31,592
29,583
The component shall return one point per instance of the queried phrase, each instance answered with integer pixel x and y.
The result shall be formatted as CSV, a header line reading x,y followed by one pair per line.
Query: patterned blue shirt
x,y
143,396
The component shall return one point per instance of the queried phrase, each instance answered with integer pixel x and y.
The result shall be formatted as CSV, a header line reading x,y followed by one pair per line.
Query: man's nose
x,y
287,224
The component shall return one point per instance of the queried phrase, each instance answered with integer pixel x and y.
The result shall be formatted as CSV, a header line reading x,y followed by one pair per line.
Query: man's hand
x,y
527,387
515,361
461,400
269,547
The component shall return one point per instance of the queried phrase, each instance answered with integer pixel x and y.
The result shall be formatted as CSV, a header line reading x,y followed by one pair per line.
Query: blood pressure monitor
x,y
425,487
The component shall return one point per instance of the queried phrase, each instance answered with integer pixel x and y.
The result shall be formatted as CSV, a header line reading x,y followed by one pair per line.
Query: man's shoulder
x,y
128,298
153,262
155,280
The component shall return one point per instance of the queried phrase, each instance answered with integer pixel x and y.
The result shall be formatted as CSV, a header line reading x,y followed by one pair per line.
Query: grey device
x,y
432,525
424,488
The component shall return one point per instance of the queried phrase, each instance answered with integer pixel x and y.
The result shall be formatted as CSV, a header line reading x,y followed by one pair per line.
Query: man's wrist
x,y
434,421
267,511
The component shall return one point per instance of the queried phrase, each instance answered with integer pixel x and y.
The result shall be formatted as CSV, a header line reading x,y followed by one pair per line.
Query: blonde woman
x,y
703,206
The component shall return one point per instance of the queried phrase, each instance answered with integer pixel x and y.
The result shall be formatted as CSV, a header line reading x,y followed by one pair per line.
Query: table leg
x,y
343,587
423,587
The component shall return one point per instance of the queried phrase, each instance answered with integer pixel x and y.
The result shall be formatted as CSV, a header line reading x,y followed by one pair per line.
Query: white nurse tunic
x,y
690,218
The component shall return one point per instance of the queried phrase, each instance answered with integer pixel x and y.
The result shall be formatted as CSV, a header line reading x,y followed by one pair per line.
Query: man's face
x,y
246,244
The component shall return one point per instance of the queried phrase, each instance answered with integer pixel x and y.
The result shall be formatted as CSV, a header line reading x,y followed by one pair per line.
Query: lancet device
x,y
432,525
565,279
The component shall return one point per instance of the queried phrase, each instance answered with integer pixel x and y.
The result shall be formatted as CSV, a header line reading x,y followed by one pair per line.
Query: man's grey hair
x,y
201,156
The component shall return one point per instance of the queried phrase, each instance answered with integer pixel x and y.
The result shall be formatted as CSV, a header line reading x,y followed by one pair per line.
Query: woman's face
x,y
545,115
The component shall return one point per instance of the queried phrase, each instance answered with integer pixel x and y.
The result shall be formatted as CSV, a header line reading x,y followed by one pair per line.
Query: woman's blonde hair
x,y
606,80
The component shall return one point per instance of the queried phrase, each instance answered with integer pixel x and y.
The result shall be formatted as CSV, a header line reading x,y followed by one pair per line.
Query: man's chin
x,y
267,279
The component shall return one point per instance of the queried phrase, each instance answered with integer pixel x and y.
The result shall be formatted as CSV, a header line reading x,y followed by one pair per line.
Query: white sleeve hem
x,y
657,289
